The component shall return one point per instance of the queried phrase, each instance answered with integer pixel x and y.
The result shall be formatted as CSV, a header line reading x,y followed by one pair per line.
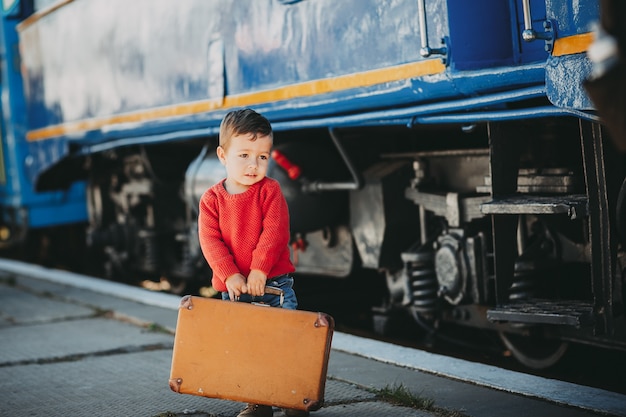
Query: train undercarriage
x,y
513,227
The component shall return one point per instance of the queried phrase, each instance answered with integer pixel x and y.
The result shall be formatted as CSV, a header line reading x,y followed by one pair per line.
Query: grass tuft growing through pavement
x,y
156,328
400,395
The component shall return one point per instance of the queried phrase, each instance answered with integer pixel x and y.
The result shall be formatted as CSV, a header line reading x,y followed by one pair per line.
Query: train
x,y
448,147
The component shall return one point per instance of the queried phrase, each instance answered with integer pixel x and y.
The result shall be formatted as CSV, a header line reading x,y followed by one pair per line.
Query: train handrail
x,y
426,50
529,34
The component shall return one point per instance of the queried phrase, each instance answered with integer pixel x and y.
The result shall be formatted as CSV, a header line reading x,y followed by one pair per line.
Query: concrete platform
x,y
77,346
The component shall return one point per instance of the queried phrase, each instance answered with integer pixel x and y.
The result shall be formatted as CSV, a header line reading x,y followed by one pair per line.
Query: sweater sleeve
x,y
274,238
211,240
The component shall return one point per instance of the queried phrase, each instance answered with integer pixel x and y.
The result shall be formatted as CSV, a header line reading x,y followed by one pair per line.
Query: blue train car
x,y
447,145
24,208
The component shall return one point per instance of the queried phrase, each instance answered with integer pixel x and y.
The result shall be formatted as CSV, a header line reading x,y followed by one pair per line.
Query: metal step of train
x,y
574,206
566,313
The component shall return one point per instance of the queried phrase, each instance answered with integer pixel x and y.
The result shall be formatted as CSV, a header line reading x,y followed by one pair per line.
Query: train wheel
x,y
533,352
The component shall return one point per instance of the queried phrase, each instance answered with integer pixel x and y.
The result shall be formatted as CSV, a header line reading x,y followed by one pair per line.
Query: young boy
x,y
243,223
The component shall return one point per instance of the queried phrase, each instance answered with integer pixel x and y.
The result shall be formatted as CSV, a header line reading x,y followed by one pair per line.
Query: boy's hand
x,y
236,285
256,282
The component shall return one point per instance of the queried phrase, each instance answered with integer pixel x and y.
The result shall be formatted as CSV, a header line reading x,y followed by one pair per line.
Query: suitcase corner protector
x,y
175,384
324,320
313,405
186,302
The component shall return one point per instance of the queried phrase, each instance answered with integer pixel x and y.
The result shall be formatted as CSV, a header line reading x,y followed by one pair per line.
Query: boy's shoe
x,y
256,410
289,412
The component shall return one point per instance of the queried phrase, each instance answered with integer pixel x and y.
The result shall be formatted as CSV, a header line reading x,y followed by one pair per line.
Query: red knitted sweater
x,y
241,232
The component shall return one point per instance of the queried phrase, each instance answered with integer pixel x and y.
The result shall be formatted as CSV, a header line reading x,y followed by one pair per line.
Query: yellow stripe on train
x,y
306,89
570,45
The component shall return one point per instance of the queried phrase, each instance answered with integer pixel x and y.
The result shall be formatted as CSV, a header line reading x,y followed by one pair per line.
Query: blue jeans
x,y
284,282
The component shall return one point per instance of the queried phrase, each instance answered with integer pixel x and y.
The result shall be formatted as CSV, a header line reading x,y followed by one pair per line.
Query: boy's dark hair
x,y
240,122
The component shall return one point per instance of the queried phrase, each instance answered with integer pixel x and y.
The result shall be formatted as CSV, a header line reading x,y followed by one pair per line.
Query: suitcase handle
x,y
276,291
273,291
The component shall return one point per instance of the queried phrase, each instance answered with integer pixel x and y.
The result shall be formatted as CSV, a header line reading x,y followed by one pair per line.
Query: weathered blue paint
x,y
565,74
21,203
564,80
90,61
153,56
572,16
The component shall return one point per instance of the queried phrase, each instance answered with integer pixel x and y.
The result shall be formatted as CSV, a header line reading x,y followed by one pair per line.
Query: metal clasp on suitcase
x,y
274,291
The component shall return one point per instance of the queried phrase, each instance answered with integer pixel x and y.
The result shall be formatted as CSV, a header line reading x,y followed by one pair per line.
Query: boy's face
x,y
245,160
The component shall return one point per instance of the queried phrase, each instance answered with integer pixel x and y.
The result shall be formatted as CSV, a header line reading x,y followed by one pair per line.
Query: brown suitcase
x,y
251,353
